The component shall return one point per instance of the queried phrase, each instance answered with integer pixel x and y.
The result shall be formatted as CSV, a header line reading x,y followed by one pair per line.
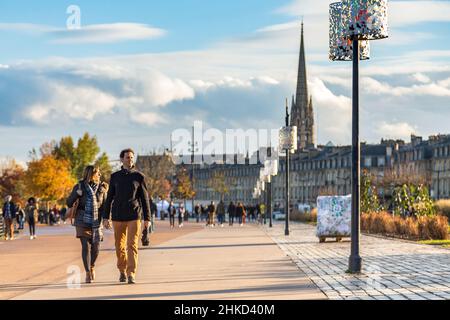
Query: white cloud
x,y
420,77
445,83
70,91
108,33
77,103
149,119
333,113
406,13
375,87
98,33
400,130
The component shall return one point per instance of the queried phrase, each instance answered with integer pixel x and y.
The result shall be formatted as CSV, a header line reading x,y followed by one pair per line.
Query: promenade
x,y
188,264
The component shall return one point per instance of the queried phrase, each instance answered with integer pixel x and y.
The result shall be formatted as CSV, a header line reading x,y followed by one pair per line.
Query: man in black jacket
x,y
129,202
9,215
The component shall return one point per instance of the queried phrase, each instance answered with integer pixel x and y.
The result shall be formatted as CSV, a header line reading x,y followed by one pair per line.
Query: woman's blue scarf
x,y
91,209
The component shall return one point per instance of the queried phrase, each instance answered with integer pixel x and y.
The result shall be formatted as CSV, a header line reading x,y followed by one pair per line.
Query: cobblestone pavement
x,y
392,269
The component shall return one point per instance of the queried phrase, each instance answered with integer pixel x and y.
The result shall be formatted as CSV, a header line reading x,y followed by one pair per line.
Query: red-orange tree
x,y
11,175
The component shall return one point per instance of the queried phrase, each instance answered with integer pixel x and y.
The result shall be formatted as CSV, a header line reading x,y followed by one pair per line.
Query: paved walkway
x,y
392,269
221,263
26,264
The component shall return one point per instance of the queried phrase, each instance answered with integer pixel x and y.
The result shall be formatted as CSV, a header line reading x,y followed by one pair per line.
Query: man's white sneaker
x,y
31,237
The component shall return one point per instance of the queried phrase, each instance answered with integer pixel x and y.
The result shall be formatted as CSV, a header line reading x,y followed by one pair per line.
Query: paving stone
x,y
391,267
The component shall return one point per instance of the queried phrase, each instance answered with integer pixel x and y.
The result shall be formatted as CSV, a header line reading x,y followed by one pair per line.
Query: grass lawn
x,y
443,243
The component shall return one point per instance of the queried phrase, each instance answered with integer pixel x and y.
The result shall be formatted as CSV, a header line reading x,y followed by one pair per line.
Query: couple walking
x,y
125,202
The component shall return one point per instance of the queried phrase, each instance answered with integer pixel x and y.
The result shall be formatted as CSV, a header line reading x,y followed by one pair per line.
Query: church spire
x,y
302,97
303,111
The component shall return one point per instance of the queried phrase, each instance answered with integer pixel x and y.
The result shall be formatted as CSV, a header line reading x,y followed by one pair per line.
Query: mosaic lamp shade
x,y
341,48
288,139
365,19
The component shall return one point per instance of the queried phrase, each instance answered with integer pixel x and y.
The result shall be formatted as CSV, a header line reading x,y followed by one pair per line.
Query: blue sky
x,y
137,70
190,24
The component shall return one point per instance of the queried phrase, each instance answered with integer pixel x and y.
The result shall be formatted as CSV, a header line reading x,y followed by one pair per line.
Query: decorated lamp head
x,y
341,48
365,19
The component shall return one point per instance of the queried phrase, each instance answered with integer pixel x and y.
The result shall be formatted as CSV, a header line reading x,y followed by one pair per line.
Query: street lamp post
x,y
288,152
355,262
270,170
288,143
352,24
193,148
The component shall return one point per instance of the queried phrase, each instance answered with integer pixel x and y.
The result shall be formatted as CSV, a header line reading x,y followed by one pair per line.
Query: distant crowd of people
x,y
15,217
237,213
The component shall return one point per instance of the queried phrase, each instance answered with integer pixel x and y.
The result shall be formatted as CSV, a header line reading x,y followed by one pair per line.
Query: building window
x,y
368,162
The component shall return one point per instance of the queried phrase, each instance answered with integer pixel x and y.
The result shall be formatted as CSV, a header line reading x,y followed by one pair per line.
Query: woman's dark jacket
x,y
101,200
12,208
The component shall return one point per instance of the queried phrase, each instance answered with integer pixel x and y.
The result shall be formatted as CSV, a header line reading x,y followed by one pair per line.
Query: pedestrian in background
x,y
91,196
9,215
197,212
20,217
221,212
63,214
241,213
212,214
31,215
204,213
231,212
181,213
172,213
153,211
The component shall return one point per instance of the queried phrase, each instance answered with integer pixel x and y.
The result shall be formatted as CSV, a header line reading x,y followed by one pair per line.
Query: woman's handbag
x,y
72,211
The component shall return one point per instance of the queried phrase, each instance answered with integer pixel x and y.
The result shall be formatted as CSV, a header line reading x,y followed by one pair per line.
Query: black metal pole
x,y
269,192
438,185
355,260
193,170
286,232
269,203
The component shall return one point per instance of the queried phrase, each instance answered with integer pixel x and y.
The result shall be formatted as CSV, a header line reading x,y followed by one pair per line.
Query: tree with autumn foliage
x,y
11,180
219,184
183,188
159,170
49,178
